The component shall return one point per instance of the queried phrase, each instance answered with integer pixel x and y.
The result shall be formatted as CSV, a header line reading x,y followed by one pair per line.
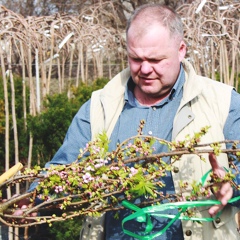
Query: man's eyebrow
x,y
150,57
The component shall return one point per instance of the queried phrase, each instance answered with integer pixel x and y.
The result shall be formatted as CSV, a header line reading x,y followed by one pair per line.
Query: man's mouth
x,y
147,80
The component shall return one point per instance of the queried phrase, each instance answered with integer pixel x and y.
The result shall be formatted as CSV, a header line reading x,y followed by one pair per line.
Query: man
x,y
162,88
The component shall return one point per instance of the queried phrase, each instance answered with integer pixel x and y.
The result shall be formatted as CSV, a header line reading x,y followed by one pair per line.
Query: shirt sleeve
x,y
232,132
78,135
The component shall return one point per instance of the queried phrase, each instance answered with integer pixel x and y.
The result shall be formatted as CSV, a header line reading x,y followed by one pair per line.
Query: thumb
x,y
216,168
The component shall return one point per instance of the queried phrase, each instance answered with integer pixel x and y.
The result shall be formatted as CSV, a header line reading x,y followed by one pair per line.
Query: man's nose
x,y
146,67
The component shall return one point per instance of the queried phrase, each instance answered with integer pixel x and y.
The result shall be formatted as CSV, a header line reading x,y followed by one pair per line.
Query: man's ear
x,y
182,50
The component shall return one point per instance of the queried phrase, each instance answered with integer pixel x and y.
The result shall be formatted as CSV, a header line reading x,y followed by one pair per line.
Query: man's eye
x,y
155,60
136,60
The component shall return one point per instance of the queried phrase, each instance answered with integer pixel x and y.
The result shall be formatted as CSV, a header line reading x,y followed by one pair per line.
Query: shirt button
x,y
150,132
154,108
175,169
188,233
189,116
218,220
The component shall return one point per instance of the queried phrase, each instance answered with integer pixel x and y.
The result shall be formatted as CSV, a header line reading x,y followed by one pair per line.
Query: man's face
x,y
154,59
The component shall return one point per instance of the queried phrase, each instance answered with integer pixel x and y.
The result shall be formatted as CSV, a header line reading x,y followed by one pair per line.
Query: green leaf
x,y
55,178
142,187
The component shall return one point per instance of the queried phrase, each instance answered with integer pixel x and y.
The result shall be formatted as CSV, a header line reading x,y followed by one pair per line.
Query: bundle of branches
x,y
99,180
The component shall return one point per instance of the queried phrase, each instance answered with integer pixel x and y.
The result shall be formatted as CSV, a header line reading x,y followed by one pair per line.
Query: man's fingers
x,y
216,168
224,194
23,202
213,161
224,190
215,209
18,212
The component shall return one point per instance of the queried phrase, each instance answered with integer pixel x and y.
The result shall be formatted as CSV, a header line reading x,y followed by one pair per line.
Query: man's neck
x,y
147,100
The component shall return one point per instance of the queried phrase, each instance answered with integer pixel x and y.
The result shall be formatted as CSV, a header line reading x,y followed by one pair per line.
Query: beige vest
x,y
207,107
204,103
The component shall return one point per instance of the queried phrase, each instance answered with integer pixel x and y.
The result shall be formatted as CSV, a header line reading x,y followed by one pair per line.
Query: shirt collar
x,y
129,96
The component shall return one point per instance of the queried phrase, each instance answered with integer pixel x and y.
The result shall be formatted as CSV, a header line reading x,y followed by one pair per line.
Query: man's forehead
x,y
140,29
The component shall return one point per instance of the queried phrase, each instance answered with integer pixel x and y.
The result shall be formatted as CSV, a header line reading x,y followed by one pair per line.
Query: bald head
x,y
149,15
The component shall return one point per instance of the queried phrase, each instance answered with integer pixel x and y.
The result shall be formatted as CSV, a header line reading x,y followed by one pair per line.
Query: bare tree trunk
x,y
70,71
82,64
14,120
86,68
32,104
63,73
78,65
94,67
30,146
122,60
51,59
221,63
212,61
43,74
109,67
99,64
38,103
31,84
23,86
234,58
237,73
226,63
10,229
59,76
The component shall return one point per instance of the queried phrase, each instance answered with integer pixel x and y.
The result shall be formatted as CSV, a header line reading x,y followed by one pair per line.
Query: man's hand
x,y
224,192
22,205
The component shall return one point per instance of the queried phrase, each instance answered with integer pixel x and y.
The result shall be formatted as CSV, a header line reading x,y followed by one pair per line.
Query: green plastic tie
x,y
144,214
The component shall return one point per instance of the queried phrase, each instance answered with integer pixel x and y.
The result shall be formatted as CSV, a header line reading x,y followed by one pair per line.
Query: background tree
x,y
59,49
48,7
